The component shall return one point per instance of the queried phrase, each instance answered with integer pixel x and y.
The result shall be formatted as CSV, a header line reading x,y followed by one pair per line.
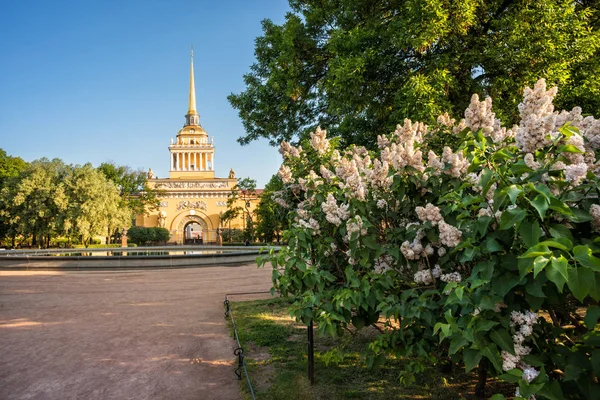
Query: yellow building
x,y
194,198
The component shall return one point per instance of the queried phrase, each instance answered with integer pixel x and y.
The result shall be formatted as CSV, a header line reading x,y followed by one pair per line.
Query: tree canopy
x,y
356,66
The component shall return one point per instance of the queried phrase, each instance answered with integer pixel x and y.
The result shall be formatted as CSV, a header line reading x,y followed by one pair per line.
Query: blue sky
x,y
94,81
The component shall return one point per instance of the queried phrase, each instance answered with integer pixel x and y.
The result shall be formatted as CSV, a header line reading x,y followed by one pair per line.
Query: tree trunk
x,y
482,379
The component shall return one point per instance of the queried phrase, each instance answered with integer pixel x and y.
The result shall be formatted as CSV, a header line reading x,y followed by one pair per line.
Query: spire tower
x,y
192,118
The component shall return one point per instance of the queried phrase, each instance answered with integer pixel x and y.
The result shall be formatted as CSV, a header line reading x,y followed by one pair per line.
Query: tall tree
x,y
238,204
96,207
10,168
34,204
356,66
133,187
271,217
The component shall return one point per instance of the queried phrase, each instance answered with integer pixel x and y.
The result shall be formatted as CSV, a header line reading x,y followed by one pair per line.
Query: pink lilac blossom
x,y
434,162
327,174
354,225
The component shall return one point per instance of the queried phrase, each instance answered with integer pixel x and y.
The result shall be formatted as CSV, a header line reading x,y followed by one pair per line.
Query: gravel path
x,y
157,334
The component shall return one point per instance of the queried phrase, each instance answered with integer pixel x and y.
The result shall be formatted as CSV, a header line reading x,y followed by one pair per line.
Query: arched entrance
x,y
192,233
191,229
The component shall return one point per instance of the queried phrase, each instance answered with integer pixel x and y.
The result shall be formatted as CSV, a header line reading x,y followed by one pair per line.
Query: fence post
x,y
311,354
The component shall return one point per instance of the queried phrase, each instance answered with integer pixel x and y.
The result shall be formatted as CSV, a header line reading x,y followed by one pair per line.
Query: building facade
x,y
194,198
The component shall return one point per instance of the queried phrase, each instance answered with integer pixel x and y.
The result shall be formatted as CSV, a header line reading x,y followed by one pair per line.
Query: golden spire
x,y
192,100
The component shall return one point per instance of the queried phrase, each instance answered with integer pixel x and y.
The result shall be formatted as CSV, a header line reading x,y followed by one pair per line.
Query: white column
x,y
171,162
178,164
196,157
187,155
212,161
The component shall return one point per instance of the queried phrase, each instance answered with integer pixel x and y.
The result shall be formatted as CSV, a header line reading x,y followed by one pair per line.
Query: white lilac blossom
x,y
441,252
576,141
429,213
434,162
333,213
327,174
530,161
426,277
354,225
289,151
348,172
382,141
285,173
383,264
451,277
595,213
378,175
449,235
458,162
412,251
575,173
537,118
460,127
524,321
318,141
445,120
381,203
311,224
479,115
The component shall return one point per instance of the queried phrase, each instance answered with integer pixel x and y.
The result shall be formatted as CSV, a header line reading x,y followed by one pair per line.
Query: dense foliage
x,y
476,244
45,200
141,235
360,66
271,218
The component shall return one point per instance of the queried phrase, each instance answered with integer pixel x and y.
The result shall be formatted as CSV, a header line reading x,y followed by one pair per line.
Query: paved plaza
x,y
156,334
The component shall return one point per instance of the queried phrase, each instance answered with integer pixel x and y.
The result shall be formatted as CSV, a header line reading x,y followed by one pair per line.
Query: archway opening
x,y
193,233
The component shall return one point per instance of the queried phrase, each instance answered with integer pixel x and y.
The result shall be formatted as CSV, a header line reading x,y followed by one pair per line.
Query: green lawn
x,y
275,349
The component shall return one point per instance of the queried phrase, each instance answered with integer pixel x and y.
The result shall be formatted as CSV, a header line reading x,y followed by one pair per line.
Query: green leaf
x,y
492,245
459,292
457,343
552,391
510,218
530,233
561,207
538,264
471,357
580,282
536,251
504,283
513,192
503,339
561,231
540,203
498,396
559,243
484,269
569,148
591,316
583,254
491,353
557,272
581,215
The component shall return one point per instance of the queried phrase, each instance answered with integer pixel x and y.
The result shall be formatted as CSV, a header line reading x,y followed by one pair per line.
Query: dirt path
x,y
156,334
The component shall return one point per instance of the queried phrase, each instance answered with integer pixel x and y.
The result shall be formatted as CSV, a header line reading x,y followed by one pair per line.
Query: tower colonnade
x,y
192,161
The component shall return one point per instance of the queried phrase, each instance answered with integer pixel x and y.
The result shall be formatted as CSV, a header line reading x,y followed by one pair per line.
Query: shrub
x,y
476,243
142,235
